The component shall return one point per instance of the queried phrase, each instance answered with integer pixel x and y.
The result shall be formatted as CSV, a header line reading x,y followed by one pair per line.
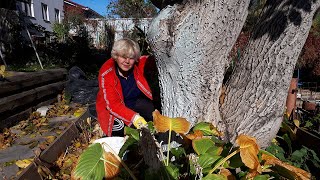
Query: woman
x,y
124,95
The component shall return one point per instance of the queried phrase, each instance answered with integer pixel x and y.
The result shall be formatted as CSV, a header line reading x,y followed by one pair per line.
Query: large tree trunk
x,y
257,91
191,42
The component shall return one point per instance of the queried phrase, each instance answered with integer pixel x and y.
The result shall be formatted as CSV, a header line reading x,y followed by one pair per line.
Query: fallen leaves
x,y
24,163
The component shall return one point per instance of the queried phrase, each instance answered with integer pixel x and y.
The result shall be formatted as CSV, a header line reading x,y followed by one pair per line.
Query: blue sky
x,y
97,5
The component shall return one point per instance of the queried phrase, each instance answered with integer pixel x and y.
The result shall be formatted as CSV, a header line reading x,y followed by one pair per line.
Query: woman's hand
x,y
139,122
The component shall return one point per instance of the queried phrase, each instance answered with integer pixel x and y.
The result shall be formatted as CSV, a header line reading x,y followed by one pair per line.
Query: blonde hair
x,y
126,48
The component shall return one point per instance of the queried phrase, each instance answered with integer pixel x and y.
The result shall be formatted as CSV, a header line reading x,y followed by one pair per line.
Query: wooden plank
x,y
10,103
57,147
26,81
19,116
14,119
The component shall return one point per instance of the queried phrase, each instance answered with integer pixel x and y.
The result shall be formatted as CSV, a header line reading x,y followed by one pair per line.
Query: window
x,y
57,15
45,12
28,8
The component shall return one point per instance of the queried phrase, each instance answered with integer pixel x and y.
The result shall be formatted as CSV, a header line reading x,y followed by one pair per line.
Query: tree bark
x,y
191,42
257,90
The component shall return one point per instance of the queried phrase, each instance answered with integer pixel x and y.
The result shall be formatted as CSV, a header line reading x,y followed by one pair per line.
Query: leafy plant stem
x,y
123,164
169,140
223,161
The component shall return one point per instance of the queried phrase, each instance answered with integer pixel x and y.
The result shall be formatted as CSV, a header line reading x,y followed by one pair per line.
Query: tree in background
x,y
131,9
191,41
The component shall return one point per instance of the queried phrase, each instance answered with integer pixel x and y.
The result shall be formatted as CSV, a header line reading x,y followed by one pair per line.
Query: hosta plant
x,y
198,153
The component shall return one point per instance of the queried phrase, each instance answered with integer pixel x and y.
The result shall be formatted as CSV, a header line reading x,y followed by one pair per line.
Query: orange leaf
x,y
297,172
225,172
249,152
112,166
196,135
163,123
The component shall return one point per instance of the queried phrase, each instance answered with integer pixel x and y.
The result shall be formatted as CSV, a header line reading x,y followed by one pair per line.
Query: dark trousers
x,y
144,107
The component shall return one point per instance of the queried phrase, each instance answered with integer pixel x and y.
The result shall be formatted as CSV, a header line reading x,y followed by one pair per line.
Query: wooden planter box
x,y
23,92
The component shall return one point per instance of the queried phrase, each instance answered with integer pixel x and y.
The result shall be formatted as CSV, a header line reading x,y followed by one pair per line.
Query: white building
x,y
41,12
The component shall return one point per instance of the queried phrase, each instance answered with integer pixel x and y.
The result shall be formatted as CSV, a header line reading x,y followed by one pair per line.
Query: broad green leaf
x,y
132,132
214,177
262,177
173,171
130,141
201,146
90,165
206,160
207,128
215,150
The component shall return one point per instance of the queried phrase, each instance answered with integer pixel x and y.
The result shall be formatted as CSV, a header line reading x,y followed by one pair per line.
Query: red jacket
x,y
110,102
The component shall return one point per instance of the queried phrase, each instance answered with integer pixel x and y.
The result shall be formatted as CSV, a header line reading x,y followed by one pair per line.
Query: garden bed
x,y
39,140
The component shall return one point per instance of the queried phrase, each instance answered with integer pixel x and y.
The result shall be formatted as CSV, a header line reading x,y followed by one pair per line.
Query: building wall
x,y
37,9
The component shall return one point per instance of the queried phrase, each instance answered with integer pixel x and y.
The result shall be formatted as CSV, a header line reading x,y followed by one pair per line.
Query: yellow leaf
x,y
23,163
2,70
163,123
50,139
196,135
297,172
249,152
296,122
78,144
78,112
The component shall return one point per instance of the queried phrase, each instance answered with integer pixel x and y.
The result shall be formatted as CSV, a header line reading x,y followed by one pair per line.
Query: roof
x,y
87,9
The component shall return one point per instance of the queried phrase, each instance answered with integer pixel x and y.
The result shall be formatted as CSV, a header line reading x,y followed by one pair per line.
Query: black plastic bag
x,y
79,88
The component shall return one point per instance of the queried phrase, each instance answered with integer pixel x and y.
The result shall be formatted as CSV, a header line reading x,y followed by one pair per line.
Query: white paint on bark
x,y
257,90
191,42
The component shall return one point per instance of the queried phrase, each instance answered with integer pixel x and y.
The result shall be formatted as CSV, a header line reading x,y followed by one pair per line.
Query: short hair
x,y
125,48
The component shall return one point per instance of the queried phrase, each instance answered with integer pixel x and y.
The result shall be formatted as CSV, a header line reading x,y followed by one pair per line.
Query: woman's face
x,y
125,64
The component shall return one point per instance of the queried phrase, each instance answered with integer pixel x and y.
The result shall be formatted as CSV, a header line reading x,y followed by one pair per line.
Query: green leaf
x,y
206,128
90,165
282,171
130,141
235,161
173,171
132,132
207,160
178,152
215,177
216,140
287,139
277,151
299,155
215,150
262,177
151,127
201,146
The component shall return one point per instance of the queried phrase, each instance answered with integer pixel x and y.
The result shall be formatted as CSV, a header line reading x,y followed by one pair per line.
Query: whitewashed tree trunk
x,y
257,91
191,42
